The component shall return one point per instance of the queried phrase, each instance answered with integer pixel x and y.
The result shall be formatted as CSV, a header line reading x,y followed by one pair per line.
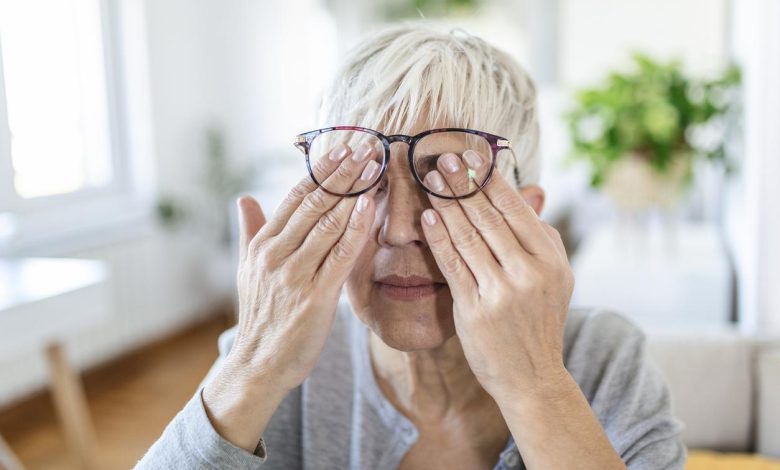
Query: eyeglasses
x,y
474,155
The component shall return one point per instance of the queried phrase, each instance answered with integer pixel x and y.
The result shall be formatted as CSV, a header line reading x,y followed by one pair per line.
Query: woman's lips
x,y
410,288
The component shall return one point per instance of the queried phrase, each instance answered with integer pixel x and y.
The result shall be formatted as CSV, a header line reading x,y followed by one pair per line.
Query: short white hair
x,y
397,75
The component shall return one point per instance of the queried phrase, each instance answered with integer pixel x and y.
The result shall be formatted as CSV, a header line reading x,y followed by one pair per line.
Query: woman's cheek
x,y
360,282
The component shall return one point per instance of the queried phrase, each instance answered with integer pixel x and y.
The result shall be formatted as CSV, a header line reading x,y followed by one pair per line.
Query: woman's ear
x,y
534,196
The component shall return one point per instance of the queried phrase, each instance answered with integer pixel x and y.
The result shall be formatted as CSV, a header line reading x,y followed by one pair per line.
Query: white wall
x,y
274,58
185,87
598,35
257,70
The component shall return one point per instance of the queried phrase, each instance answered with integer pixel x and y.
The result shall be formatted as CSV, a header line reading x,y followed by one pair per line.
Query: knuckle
x,y
343,172
254,245
298,192
264,260
329,223
552,231
446,203
467,236
452,265
439,239
510,201
559,273
356,224
532,279
497,290
315,202
488,217
342,252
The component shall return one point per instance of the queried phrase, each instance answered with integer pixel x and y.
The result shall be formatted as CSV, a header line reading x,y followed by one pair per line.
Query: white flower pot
x,y
634,185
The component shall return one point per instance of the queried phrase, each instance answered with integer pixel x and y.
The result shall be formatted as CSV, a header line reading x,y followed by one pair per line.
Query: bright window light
x,y
55,86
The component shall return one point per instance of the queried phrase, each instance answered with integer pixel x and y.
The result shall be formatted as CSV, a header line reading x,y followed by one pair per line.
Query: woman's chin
x,y
410,328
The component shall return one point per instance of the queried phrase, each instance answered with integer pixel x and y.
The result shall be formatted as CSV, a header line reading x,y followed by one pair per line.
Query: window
x,y
55,126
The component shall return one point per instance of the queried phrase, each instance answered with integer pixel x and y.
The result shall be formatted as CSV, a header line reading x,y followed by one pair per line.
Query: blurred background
x,y
129,127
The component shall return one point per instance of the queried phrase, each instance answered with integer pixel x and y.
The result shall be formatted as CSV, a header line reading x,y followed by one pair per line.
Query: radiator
x,y
156,288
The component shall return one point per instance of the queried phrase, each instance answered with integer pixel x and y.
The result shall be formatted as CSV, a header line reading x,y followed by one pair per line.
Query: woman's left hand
x,y
510,281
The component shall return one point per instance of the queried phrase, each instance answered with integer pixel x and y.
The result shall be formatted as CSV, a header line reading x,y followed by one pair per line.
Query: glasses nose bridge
x,y
406,139
400,138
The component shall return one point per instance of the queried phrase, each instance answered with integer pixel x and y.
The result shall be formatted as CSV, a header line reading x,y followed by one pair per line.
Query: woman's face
x,y
396,288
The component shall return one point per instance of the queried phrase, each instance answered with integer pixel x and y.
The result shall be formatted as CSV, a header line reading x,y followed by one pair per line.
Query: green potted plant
x,y
642,130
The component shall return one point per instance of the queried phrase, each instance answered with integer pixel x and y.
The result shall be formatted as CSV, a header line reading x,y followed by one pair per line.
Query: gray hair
x,y
398,75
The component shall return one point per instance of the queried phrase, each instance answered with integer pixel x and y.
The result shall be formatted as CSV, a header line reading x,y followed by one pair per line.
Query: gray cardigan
x,y
338,418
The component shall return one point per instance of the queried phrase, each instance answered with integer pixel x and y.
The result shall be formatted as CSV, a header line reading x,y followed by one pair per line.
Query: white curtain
x,y
753,215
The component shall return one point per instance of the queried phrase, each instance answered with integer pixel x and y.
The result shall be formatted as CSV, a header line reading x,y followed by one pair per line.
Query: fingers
x,y
329,230
479,211
340,258
465,238
349,174
324,166
519,215
453,267
250,220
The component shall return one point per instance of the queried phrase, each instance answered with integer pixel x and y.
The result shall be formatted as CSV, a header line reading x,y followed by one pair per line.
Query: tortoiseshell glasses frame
x,y
304,141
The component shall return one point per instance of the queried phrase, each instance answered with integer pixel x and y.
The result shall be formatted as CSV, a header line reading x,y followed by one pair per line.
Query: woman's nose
x,y
403,208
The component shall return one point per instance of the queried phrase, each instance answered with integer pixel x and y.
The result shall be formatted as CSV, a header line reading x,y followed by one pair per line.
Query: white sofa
x,y
725,387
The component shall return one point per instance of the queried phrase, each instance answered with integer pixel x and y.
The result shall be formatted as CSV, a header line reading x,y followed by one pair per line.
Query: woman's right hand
x,y
290,274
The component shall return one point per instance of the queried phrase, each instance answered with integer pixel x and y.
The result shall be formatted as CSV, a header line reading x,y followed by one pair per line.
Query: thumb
x,y
250,220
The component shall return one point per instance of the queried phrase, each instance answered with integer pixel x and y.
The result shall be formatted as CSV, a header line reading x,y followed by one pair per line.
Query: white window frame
x,y
80,219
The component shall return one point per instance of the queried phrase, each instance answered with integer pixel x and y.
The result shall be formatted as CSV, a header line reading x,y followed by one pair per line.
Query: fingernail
x,y
435,180
362,203
339,152
369,171
450,163
472,159
361,153
430,217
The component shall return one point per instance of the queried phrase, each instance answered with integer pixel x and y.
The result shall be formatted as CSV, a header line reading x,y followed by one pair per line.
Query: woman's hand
x,y
290,275
511,284
291,271
509,277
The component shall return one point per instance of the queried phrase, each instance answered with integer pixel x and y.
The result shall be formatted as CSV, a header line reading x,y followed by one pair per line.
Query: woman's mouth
x,y
408,288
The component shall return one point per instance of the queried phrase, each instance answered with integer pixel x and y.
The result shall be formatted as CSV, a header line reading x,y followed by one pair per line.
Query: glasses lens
x,y
327,143
437,152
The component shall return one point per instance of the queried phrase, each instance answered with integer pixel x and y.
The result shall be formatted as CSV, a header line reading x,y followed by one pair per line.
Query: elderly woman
x,y
455,347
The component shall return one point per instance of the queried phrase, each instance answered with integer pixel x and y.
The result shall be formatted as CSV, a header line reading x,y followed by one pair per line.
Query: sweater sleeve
x,y
628,394
190,440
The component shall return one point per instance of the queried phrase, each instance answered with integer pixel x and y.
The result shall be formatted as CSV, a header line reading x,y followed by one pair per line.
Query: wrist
x,y
239,406
546,389
244,380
